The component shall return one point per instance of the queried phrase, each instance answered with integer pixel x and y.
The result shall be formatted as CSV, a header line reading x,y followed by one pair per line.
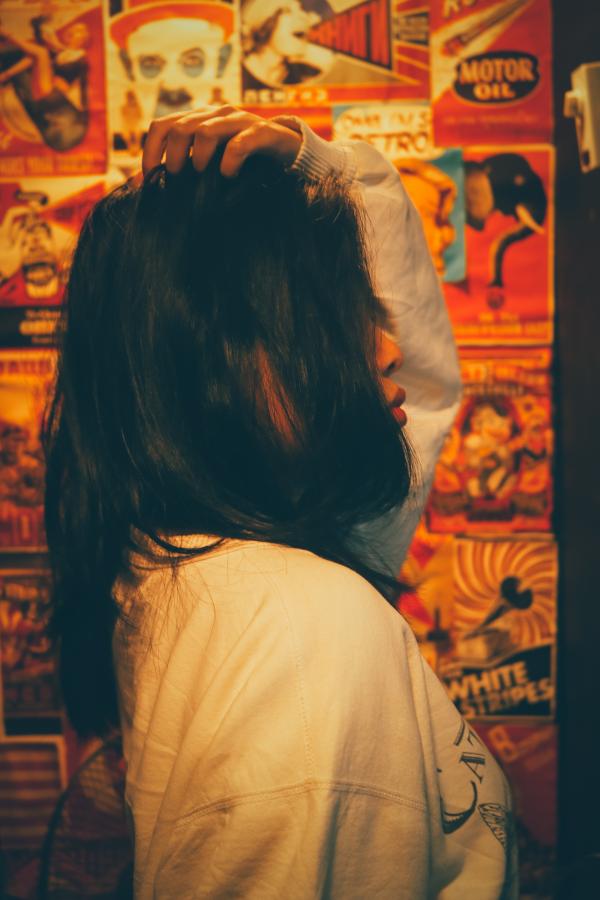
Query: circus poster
x,y
499,659
166,58
334,51
25,377
494,474
507,295
29,684
433,177
491,71
52,88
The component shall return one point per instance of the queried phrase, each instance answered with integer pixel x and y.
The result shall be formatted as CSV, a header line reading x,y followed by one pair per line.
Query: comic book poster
x,y
165,58
528,755
31,769
29,685
40,219
52,88
499,660
332,51
433,177
507,296
491,71
494,474
25,376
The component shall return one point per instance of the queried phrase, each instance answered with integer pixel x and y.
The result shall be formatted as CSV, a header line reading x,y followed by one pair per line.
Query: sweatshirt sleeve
x,y
407,283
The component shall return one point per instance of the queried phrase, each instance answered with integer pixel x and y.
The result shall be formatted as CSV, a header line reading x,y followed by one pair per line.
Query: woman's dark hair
x,y
217,376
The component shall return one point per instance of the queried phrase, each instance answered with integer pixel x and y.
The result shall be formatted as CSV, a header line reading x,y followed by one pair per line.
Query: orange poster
x,y
507,295
311,52
491,72
25,377
495,472
52,88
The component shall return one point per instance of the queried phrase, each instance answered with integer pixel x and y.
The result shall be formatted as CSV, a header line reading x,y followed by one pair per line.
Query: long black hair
x,y
216,376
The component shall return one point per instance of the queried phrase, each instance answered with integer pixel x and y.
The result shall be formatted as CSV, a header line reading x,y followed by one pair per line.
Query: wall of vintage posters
x,y
457,94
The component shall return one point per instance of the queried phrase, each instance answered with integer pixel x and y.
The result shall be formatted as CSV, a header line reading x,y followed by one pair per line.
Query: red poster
x,y
491,71
25,377
507,296
29,684
495,472
52,89
528,755
317,117
332,51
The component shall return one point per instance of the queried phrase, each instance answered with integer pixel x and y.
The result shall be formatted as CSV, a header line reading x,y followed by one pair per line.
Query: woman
x,y
225,476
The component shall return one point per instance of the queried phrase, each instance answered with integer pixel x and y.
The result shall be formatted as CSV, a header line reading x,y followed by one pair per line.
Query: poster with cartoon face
x,y
40,219
29,684
333,51
165,58
528,754
494,474
500,656
52,88
507,295
433,177
25,379
491,71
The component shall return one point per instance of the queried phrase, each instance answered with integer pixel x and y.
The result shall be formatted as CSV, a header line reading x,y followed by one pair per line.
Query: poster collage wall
x,y
457,94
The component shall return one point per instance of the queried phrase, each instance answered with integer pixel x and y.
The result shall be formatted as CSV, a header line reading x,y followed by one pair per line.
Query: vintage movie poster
x,y
52,88
528,756
25,377
494,474
40,219
491,71
433,177
32,772
425,600
165,58
29,684
507,296
333,51
500,656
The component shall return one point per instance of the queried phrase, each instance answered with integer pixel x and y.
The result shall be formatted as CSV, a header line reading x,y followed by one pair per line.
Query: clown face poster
x,y
52,88
432,177
499,659
491,71
494,474
507,295
40,219
25,379
331,51
165,58
29,684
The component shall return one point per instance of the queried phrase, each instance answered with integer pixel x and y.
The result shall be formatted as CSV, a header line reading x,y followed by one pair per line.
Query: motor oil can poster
x,y
491,71
432,177
165,58
25,377
507,296
52,88
494,474
328,51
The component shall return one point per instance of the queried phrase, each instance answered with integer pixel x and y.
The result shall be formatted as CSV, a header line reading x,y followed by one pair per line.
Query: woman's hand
x,y
204,130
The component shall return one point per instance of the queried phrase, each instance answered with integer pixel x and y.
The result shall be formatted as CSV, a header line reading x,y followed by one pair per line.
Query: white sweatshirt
x,y
283,736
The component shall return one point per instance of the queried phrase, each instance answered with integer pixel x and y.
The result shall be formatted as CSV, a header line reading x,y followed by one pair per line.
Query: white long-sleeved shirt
x,y
283,736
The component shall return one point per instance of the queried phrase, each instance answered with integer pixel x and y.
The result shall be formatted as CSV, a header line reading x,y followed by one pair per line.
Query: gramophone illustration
x,y
490,641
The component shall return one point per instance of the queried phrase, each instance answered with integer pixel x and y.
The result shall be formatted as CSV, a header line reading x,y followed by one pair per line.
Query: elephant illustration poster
x,y
52,89
507,295
491,71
